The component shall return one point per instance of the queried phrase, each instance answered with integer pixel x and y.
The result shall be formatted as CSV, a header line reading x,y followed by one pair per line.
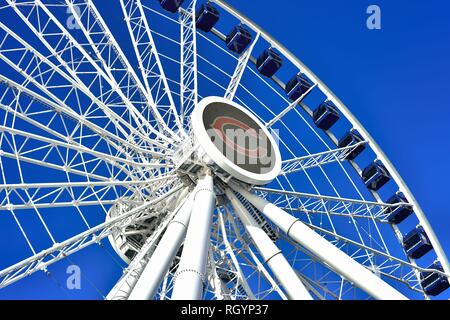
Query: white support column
x,y
191,270
272,255
322,249
162,257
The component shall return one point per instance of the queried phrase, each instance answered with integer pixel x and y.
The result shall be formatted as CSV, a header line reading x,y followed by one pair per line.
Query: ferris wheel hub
x,y
234,142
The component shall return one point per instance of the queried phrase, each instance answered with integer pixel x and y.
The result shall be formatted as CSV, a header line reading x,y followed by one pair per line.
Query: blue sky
x,y
395,81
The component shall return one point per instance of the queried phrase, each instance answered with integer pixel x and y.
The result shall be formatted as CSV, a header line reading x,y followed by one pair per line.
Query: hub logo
x,y
236,135
239,138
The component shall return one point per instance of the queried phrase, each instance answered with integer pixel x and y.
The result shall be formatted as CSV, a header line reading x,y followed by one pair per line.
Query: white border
x,y
218,158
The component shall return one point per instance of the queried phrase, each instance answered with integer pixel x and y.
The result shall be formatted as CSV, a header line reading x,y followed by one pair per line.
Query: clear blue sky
x,y
395,80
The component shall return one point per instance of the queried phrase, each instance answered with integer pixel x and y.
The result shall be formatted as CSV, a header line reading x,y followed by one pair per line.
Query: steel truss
x,y
106,132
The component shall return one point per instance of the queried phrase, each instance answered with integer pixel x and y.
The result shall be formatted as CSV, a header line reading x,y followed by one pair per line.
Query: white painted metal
x,y
149,62
357,125
321,204
118,154
123,287
190,275
324,250
215,155
163,256
62,250
188,60
318,159
239,71
271,253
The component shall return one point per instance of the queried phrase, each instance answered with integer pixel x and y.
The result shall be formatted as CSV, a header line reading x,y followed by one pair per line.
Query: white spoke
x,y
45,258
42,68
312,203
318,159
239,71
152,71
188,60
106,131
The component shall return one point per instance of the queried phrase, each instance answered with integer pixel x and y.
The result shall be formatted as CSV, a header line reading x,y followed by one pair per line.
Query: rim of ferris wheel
x,y
236,141
356,125
144,170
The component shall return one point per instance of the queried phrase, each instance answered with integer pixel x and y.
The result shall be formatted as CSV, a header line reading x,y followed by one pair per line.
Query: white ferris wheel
x,y
200,153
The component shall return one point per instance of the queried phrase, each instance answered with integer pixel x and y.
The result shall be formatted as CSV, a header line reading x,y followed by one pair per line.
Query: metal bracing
x,y
118,68
290,107
318,159
240,276
52,143
324,250
150,65
26,147
249,258
239,71
79,60
387,265
215,284
54,82
90,193
191,271
161,259
271,253
123,287
43,259
188,60
29,106
313,203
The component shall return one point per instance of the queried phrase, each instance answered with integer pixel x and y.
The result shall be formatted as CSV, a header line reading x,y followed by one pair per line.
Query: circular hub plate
x,y
236,141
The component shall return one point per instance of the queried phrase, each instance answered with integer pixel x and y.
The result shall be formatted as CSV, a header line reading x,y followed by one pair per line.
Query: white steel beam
x,y
322,204
115,141
162,257
290,107
123,287
149,62
324,250
188,60
191,271
272,255
116,64
58,251
52,83
318,159
239,71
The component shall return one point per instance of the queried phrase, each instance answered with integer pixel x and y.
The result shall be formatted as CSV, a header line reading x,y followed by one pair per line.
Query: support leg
x,y
191,270
271,253
322,249
162,257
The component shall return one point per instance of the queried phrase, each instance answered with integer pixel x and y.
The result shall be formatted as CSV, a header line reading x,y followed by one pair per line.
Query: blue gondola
x,y
325,116
297,86
351,138
207,17
269,62
434,283
375,176
238,39
171,5
397,214
416,243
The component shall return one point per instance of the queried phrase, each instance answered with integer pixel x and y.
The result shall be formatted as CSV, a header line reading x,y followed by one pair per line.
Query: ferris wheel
x,y
207,160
